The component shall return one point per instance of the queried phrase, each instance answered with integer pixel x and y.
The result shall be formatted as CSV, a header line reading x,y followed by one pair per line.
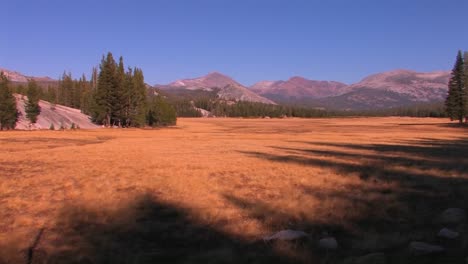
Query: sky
x,y
249,40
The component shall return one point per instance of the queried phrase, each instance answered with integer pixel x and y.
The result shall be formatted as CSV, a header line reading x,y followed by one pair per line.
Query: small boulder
x,y
373,258
447,233
421,248
328,243
286,235
452,216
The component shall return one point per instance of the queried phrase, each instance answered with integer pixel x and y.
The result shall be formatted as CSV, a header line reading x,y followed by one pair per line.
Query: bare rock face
x,y
299,88
228,89
421,248
240,93
418,86
14,76
214,79
286,235
18,77
57,115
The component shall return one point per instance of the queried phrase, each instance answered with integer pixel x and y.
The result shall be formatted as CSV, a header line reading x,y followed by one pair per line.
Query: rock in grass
x,y
421,248
452,216
328,243
373,258
447,233
287,235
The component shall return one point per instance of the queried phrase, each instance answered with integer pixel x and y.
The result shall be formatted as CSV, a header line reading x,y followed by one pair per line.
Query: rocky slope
x,y
297,88
17,77
226,88
416,86
398,88
57,115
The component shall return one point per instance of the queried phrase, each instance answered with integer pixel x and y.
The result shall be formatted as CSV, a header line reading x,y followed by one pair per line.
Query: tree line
x,y
9,113
117,97
114,96
457,98
221,108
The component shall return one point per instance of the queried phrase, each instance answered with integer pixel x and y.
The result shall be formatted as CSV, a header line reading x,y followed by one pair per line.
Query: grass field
x,y
208,190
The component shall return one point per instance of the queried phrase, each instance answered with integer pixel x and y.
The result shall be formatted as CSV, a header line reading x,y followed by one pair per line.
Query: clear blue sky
x,y
249,40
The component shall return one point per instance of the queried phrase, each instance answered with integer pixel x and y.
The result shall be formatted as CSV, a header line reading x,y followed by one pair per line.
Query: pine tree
x,y
104,96
138,101
456,102
32,107
465,62
8,112
160,113
119,99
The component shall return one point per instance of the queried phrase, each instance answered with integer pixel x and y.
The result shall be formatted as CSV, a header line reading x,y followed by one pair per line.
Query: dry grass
x,y
209,189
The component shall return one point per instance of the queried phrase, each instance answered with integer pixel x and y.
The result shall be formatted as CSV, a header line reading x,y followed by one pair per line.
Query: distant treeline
x,y
222,108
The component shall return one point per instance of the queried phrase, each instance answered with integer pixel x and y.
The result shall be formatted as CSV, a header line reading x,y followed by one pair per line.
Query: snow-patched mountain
x,y
225,87
297,88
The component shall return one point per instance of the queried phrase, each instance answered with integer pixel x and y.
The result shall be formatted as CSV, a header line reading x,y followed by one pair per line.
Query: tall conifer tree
x,y
104,95
457,99
8,112
32,107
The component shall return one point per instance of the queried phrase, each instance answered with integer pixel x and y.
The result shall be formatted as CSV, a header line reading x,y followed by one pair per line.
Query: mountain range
x,y
389,89
17,77
226,88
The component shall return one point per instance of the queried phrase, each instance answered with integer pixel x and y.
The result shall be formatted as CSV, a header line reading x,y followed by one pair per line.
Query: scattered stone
x,y
286,235
328,243
447,233
453,216
421,248
373,258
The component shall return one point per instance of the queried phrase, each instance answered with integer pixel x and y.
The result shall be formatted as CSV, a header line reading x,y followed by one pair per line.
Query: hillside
x,y
226,88
18,78
57,115
417,86
297,88
398,88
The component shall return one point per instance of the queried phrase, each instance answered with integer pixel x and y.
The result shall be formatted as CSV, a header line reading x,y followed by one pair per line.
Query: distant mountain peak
x,y
297,87
416,86
229,89
15,76
212,79
216,74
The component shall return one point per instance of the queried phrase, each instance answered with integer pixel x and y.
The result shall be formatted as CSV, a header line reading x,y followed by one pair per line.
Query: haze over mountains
x,y
395,88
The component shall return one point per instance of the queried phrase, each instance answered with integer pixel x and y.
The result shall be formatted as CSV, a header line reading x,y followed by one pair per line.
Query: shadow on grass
x,y
146,231
430,175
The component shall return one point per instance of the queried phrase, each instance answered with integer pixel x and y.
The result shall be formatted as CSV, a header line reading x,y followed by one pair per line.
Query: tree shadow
x,y
146,231
430,175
